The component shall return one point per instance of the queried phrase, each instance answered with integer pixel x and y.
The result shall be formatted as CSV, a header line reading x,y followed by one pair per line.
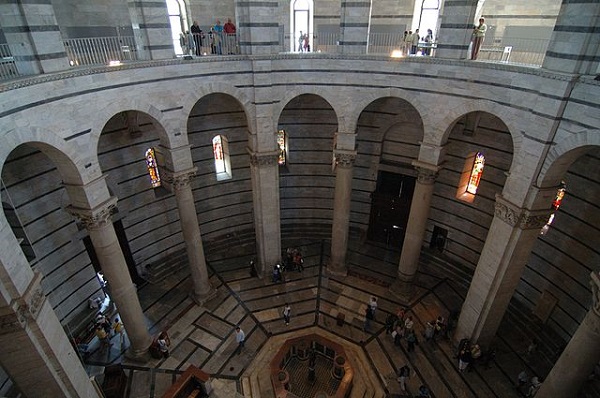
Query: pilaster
x,y
355,22
508,245
265,192
33,35
458,20
258,29
151,29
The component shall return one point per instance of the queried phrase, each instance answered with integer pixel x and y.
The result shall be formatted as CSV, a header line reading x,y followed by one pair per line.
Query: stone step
x,y
157,271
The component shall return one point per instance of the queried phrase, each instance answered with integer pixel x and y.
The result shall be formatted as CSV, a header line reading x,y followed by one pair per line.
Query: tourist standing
x,y
478,36
240,338
287,312
197,34
403,374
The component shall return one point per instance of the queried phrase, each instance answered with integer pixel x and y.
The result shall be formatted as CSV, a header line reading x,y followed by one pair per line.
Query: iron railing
x,y
8,69
100,50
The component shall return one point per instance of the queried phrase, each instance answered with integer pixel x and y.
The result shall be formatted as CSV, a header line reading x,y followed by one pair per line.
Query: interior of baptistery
x,y
299,199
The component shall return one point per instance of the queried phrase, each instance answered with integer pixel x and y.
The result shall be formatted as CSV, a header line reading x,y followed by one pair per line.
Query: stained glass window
x,y
152,168
282,147
221,155
476,173
560,194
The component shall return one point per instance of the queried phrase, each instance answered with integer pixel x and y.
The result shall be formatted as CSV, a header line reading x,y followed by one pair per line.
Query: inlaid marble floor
x,y
204,336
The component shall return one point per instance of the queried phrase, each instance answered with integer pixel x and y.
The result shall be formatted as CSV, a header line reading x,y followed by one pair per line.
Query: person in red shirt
x,y
229,29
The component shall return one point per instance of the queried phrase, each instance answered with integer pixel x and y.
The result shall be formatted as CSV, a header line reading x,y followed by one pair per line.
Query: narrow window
x,y
152,168
560,194
471,177
476,173
282,147
221,155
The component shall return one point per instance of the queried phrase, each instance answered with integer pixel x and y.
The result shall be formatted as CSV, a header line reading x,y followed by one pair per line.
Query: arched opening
x,y
179,23
301,24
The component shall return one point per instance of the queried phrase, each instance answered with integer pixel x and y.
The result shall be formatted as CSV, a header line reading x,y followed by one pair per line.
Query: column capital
x,y
344,158
515,216
595,283
426,172
179,179
263,158
95,218
25,308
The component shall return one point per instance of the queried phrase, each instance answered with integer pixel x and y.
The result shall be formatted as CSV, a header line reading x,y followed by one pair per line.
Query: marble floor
x,y
205,336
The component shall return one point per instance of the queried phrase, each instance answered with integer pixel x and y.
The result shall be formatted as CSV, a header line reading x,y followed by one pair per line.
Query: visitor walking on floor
x,y
119,329
287,313
240,338
403,375
164,342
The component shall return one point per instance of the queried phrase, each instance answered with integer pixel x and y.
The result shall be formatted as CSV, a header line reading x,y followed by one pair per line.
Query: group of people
x,y
471,354
410,42
526,386
292,260
220,38
303,43
105,330
401,326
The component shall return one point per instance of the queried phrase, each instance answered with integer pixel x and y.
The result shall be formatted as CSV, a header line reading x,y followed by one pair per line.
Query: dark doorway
x,y
438,238
390,208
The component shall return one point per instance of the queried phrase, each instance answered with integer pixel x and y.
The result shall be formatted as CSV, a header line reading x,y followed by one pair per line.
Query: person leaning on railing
x,y
478,36
229,29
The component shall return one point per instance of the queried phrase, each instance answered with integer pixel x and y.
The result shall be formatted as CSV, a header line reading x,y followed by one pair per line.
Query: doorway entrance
x,y
390,208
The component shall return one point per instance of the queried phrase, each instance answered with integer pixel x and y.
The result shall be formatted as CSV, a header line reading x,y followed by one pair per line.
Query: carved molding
x,y
179,180
96,218
426,176
595,282
25,308
264,159
516,216
344,159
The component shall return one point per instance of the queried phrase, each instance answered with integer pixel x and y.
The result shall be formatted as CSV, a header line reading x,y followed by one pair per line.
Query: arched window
x,y
152,168
560,194
471,177
282,147
301,22
426,16
221,155
178,21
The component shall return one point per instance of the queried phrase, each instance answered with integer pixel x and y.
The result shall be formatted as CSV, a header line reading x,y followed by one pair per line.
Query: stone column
x,y
264,170
403,286
151,29
354,26
507,247
34,349
33,35
580,356
180,183
341,210
258,30
458,20
99,225
575,43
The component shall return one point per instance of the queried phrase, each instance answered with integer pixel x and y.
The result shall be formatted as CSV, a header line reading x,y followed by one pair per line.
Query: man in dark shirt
x,y
197,33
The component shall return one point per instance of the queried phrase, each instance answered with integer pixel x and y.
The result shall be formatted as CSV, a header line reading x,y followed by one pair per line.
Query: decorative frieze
x,y
515,216
264,158
343,158
96,218
179,180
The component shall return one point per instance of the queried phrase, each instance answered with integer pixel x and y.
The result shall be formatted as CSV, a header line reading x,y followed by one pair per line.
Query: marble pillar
x,y
151,29
34,349
341,210
355,21
33,36
99,225
180,183
258,30
575,43
264,171
581,355
403,286
456,28
508,245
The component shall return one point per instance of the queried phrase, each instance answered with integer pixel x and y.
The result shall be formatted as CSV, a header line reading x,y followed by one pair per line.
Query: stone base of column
x,y
201,298
141,356
337,271
405,291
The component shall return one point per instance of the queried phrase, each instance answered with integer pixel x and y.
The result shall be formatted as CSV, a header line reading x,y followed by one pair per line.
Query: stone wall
x,y
391,105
